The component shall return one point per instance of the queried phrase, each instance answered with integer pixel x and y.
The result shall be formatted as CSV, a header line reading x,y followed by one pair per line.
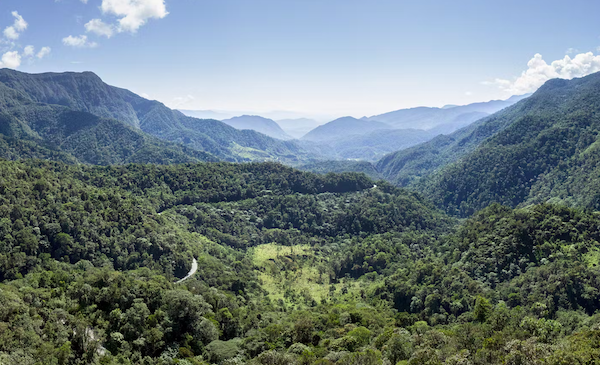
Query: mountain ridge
x,y
87,92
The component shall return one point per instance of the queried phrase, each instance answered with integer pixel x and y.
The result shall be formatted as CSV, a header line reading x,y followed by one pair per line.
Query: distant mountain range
x,y
77,113
370,138
449,116
259,124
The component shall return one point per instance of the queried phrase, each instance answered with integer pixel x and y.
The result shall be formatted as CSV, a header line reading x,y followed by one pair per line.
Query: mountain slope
x,y
86,92
59,133
258,124
343,127
547,149
409,166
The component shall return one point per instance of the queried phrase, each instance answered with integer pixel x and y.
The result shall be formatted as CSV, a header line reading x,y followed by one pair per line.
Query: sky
x,y
314,57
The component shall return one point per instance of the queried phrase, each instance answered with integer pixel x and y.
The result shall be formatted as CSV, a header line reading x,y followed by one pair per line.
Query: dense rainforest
x,y
292,268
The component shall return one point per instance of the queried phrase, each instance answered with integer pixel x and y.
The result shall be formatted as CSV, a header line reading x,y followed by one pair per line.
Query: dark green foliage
x,y
73,238
323,167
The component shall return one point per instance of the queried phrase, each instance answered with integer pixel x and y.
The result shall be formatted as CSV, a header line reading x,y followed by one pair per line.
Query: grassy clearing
x,y
248,152
592,258
295,274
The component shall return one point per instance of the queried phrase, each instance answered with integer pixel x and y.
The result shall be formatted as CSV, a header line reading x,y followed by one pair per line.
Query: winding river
x,y
192,271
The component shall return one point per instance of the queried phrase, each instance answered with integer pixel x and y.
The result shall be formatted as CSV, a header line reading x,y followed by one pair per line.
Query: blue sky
x,y
333,57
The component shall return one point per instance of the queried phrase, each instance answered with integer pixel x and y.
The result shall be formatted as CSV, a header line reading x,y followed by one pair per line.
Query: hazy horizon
x,y
328,59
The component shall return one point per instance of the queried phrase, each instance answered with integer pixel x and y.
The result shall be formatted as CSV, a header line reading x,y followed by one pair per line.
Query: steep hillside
x,y
343,127
34,130
258,124
86,92
546,149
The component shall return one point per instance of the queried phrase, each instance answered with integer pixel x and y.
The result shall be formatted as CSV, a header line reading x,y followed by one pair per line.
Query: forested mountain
x,y
258,124
86,92
343,127
543,148
452,117
409,166
36,130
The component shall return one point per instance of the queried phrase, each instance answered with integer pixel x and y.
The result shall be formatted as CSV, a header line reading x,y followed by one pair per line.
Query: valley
x,y
131,233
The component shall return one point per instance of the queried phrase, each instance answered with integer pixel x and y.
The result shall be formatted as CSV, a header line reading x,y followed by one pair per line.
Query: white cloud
x,y
28,51
84,1
10,60
538,72
100,28
19,25
11,33
79,42
134,13
43,52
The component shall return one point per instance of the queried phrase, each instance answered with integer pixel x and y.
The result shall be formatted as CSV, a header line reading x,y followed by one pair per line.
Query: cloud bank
x,y
538,72
134,13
